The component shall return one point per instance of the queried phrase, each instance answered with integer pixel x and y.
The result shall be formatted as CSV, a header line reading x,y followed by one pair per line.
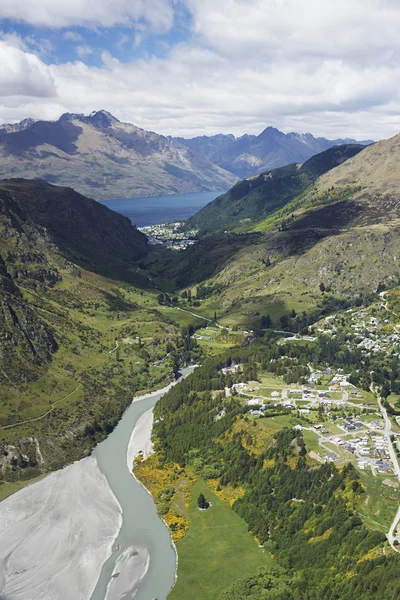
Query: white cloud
x,y
13,39
23,74
83,51
279,29
158,14
328,68
73,36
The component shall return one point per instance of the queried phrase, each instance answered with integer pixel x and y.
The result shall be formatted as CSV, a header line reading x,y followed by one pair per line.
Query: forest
x,y
301,512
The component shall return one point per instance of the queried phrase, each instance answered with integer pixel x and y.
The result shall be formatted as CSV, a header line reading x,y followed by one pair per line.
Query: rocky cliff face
x,y
26,340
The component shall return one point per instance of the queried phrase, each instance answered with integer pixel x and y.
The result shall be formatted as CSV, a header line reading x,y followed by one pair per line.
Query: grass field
x,y
380,502
216,550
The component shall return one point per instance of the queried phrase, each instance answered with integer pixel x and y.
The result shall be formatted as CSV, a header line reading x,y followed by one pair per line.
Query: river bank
x,y
65,536
133,563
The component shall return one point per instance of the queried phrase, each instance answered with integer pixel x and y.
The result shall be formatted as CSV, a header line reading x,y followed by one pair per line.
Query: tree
x,y
284,320
160,298
385,391
184,294
202,502
117,354
322,286
215,316
266,322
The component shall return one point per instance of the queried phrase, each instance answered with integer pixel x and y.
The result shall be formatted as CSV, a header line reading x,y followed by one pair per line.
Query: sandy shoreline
x,y
140,443
42,526
140,440
130,568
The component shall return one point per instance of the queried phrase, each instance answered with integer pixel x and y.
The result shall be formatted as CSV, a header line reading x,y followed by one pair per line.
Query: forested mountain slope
x,y
250,200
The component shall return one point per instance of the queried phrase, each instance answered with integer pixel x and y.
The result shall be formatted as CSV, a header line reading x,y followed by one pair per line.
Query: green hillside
x,y
251,200
75,346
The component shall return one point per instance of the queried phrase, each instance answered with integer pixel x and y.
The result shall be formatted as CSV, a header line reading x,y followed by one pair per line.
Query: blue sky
x,y
192,67
126,42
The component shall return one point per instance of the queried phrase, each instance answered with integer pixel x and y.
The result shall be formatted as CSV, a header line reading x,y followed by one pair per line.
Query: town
x,y
374,329
339,422
170,235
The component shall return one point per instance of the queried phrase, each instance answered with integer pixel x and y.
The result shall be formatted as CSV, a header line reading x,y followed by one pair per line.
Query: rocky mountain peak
x,y
102,118
72,117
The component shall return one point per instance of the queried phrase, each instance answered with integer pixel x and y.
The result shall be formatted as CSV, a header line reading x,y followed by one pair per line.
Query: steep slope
x,y
103,158
342,231
363,191
250,200
251,154
85,231
75,346
43,230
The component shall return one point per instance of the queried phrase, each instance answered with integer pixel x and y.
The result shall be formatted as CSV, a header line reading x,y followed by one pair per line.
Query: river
x,y
141,528
89,522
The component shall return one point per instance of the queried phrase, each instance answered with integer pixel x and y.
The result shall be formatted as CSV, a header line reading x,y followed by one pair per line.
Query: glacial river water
x,y
141,527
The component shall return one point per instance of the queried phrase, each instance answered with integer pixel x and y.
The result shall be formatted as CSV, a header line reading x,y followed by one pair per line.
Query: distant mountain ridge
x,y
102,157
248,155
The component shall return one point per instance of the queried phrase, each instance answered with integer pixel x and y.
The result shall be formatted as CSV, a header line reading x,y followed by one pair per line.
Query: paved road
x,y
393,456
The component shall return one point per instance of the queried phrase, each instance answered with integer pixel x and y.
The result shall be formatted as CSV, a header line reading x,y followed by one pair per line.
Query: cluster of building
x,y
170,235
371,334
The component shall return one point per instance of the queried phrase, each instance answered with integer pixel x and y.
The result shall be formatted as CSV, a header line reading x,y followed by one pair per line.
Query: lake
x,y
154,210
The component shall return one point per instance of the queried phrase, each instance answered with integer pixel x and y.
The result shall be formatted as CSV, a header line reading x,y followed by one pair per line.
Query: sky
x,y
202,67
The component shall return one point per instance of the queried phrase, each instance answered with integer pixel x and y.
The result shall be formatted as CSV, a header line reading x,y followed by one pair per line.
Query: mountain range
x,y
92,315
101,157
268,243
248,155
